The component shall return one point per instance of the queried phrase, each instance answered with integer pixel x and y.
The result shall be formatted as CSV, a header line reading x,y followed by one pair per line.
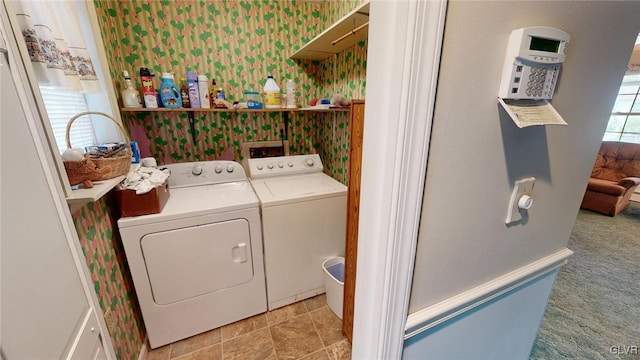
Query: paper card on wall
x,y
531,112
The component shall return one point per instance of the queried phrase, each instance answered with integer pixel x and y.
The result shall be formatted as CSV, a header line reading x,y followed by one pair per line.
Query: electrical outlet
x,y
110,319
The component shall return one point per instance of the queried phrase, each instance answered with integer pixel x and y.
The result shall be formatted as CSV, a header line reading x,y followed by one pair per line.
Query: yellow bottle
x,y
213,90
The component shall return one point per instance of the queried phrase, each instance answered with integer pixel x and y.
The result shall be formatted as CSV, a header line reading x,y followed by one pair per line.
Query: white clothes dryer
x,y
303,223
198,264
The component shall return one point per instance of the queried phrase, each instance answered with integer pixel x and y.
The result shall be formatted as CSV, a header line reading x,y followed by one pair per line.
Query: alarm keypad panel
x,y
532,82
532,63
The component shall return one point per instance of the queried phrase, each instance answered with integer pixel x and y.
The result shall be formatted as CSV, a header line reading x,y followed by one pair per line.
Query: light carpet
x,y
594,310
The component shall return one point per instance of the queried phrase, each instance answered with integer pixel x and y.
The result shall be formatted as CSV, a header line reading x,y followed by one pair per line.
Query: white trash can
x,y
334,283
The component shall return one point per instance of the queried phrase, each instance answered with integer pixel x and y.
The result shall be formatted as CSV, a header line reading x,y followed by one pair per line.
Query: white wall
x,y
477,153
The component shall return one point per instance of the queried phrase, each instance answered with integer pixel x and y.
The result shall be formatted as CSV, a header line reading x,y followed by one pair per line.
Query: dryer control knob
x,y
290,164
309,162
218,169
270,166
259,167
197,170
230,168
280,165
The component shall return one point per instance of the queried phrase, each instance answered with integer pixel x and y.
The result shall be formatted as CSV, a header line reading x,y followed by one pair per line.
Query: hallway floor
x,y
306,330
594,307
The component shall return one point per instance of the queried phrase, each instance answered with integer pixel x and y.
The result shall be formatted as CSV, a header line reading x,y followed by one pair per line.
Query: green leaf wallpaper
x,y
238,43
105,256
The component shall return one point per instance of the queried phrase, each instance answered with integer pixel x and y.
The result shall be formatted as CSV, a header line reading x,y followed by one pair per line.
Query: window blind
x,y
62,105
624,123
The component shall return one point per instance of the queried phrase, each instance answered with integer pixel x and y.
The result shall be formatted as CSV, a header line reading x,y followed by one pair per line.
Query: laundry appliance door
x,y
193,261
195,273
298,238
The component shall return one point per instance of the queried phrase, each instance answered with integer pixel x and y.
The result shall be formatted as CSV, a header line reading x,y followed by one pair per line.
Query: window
x,y
624,123
62,105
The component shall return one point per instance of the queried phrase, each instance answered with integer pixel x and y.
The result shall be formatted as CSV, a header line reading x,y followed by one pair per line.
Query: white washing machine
x,y
198,264
303,223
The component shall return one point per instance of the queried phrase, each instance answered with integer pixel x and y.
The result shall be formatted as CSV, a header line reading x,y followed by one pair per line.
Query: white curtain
x,y
56,44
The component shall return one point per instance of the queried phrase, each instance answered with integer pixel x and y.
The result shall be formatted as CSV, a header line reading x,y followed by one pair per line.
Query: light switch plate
x,y
521,187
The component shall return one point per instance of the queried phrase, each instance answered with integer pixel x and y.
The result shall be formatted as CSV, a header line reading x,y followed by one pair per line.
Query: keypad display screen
x,y
547,45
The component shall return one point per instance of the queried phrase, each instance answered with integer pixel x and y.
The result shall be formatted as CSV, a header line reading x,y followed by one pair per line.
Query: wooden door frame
x,y
356,128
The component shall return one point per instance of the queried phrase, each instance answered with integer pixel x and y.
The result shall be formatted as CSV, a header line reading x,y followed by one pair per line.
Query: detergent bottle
x,y
169,92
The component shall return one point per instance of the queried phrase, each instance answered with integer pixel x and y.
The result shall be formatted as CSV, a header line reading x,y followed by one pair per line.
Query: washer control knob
x,y
230,168
259,167
290,164
280,165
270,166
309,162
218,169
197,170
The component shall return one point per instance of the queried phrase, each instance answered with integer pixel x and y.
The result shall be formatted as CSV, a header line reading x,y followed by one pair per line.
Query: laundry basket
x,y
334,283
118,165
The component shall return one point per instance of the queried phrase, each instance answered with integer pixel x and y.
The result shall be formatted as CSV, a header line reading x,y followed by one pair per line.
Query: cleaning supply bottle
x,y
130,96
194,90
272,94
218,99
169,92
213,91
184,93
148,90
203,87
291,94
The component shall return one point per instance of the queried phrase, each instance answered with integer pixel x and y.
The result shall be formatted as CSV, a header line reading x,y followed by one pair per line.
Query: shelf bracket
x,y
285,120
192,127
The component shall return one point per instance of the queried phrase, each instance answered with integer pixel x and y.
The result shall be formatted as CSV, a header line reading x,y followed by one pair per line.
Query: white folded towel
x,y
143,179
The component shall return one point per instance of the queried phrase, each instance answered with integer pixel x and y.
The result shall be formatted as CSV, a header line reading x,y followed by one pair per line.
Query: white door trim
x,y
405,40
35,124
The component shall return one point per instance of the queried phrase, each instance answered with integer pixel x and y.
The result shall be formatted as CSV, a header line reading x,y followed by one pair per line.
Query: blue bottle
x,y
169,92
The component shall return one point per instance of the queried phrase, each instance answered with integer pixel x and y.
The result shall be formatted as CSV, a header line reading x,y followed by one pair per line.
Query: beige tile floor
x,y
306,330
